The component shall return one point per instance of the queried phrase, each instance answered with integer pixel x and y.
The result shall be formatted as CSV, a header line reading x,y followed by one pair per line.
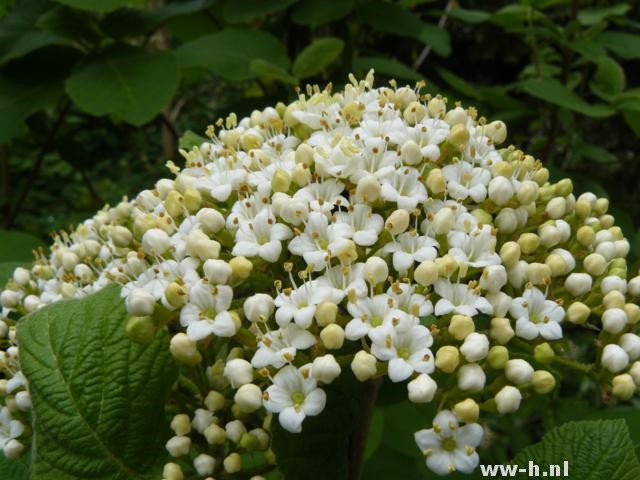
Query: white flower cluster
x,y
374,230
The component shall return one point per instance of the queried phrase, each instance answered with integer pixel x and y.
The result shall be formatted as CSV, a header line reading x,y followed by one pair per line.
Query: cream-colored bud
x,y
410,153
585,236
447,265
176,295
529,242
368,189
528,192
184,350
280,181
508,399
232,463
601,206
582,209
120,236
364,365
181,424
634,371
326,313
623,386
458,135
500,190
538,273
141,329
633,312
496,131
614,299
510,254
214,401
248,398
178,446
578,313
192,199
204,464
436,183
518,371
595,264
398,221
325,368
174,204
239,372
543,382
241,267
301,175
461,326
447,358
437,107
426,273
215,435
375,270
541,176
443,221
304,154
172,471
332,336
421,389
467,410
210,220
414,112
498,357
556,208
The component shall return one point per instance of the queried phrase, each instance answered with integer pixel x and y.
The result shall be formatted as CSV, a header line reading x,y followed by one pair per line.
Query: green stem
x,y
574,365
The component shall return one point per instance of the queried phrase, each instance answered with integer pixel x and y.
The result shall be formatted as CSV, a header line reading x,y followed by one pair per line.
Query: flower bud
x,y
612,283
633,312
556,208
23,401
614,358
172,471
633,287
447,358
460,326
258,307
201,246
630,343
235,430
634,371
326,313
120,236
508,399
368,189
248,398
456,116
210,220
375,270
422,389
500,190
538,273
578,313
446,265
529,242
201,420
595,264
215,435
437,107
475,347
493,278
363,365
506,221
543,353
280,181
184,350
614,320
426,273
436,183
204,464
471,377
217,271
181,424
623,386
141,329
496,131
232,463
510,254
332,336
304,154
518,371
458,135
501,330
178,446
498,357
140,303
414,112
578,283
9,299
156,242
325,369
543,382
398,221
443,221
527,192
240,267
301,175
239,372
410,153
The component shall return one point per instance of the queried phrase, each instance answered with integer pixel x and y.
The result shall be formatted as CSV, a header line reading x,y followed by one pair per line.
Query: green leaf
x,y
190,139
595,450
594,15
387,67
131,84
552,91
625,45
102,6
389,18
68,23
458,83
98,398
270,70
246,10
18,35
469,16
318,12
229,52
609,77
317,56
511,17
15,469
18,246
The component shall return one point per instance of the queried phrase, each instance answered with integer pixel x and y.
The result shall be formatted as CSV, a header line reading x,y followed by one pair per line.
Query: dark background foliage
x,y
95,96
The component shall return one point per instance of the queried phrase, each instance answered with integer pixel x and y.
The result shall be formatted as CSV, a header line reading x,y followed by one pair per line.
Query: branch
x,y
441,23
358,444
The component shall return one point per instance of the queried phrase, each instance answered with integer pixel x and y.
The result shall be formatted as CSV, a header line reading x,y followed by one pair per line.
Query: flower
x,y
464,180
280,346
261,237
294,395
371,312
404,187
406,351
536,316
459,298
10,429
476,249
207,313
409,247
300,303
449,447
365,224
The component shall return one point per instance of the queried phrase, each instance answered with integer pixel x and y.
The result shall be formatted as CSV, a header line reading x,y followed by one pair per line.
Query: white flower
x,y
369,313
294,395
10,429
342,279
476,249
280,346
320,240
206,312
323,196
409,247
406,351
405,299
404,187
536,316
464,180
375,160
459,298
300,303
261,237
221,179
449,447
365,224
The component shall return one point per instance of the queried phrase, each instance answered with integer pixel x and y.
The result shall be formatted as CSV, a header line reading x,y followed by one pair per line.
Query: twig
x,y
358,445
4,175
441,23
35,170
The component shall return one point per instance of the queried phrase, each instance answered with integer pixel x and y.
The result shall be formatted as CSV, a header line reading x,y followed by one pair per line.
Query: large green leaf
x,y
593,15
625,45
595,450
552,91
237,12
387,67
317,56
270,70
102,6
229,52
98,398
319,12
469,16
609,78
15,469
390,18
18,34
18,246
128,83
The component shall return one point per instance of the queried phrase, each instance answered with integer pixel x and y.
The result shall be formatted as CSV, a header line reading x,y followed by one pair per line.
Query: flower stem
x,y
581,367
358,443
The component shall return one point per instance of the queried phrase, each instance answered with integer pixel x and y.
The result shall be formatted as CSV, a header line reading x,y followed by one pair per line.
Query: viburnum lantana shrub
x,y
371,232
